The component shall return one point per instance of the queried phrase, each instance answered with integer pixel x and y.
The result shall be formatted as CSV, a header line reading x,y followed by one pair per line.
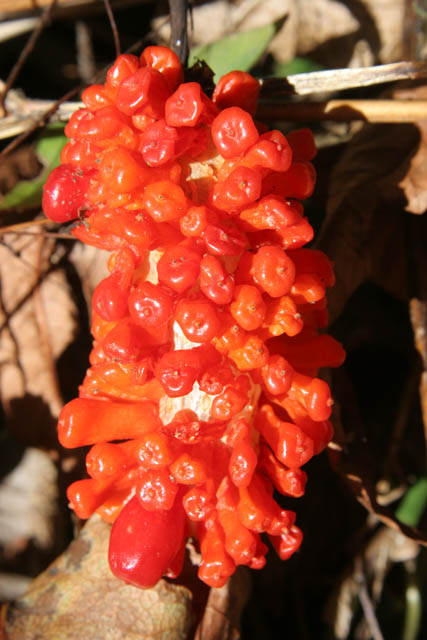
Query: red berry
x,y
177,371
239,189
198,319
233,132
65,192
239,89
157,143
273,270
185,106
223,241
215,283
248,308
144,543
178,268
150,305
145,89
164,201
166,61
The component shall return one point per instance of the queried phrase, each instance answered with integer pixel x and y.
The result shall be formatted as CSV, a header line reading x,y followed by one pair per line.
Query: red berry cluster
x,y
202,396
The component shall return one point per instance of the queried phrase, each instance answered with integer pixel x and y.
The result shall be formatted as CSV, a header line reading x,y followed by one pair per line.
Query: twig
x,y
44,19
85,58
23,225
178,17
40,122
113,26
366,603
339,79
347,110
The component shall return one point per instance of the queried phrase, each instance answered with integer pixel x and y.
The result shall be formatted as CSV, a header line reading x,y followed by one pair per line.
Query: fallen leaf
x,y
221,618
21,164
414,184
28,496
91,266
418,314
390,23
383,549
315,30
364,225
355,461
78,597
37,322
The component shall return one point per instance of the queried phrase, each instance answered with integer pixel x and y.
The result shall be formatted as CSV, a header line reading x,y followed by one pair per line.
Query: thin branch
x,y
346,111
366,602
23,225
339,79
179,39
44,19
113,26
40,122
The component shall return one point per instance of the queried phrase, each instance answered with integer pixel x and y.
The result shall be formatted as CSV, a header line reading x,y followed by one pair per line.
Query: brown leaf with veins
x,y
221,618
37,322
78,597
363,232
414,184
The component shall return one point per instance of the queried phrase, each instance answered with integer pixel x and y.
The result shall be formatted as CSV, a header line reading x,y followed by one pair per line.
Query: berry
x,y
65,192
233,132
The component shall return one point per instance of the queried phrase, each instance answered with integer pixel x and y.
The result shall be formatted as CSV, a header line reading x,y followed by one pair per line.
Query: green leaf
x,y
295,66
414,503
237,52
27,194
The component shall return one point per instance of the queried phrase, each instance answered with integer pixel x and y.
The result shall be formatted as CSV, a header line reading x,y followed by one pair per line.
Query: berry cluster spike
x,y
202,396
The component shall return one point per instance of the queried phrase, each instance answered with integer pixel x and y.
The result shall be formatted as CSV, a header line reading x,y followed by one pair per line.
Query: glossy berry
x,y
143,544
184,107
150,305
65,193
233,132
215,282
179,268
177,371
198,319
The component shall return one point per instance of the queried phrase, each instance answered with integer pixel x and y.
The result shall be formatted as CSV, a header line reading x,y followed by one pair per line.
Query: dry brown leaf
x,y
414,183
27,502
91,265
36,324
355,461
23,163
363,232
383,549
78,597
418,313
390,19
322,20
221,618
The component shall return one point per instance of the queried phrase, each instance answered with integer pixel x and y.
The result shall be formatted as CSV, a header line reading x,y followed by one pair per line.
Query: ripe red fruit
x,y
198,319
143,544
177,371
273,270
178,268
150,305
233,132
65,192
